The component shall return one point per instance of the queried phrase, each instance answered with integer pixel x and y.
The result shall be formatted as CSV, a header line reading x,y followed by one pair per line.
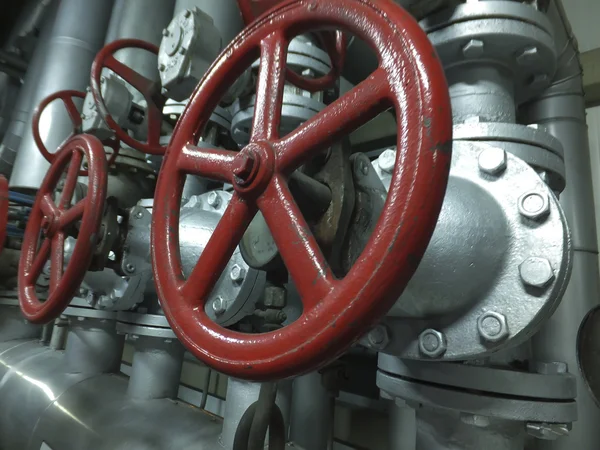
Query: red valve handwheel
x,y
75,116
4,201
334,43
148,88
53,221
337,312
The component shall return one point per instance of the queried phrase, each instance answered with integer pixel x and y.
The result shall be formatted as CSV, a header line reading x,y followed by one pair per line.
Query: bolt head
x,y
275,297
213,199
534,205
536,272
550,368
387,160
243,166
528,57
492,161
165,32
473,49
379,337
492,326
187,13
237,273
130,268
219,306
162,67
547,431
432,343
139,215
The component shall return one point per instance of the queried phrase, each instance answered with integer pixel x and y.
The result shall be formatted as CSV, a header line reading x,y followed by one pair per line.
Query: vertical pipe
x,y
17,127
561,111
93,346
312,409
77,35
403,425
156,368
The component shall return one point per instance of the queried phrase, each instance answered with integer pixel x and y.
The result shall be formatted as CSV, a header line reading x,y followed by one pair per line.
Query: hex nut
x,y
547,431
387,160
237,273
492,160
528,57
492,326
379,337
534,205
275,297
213,199
536,272
432,343
219,306
473,49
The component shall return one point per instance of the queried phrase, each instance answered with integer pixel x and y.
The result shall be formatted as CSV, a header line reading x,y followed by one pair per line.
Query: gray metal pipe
x,y
93,346
77,35
312,409
561,111
156,368
21,114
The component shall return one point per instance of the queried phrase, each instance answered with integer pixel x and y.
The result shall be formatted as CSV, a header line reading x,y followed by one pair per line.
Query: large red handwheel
x,y
67,97
334,43
4,202
336,312
52,221
148,88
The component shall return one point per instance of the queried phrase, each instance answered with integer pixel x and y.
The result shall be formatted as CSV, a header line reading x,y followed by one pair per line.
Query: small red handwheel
x,y
335,45
67,97
4,201
148,88
53,222
336,312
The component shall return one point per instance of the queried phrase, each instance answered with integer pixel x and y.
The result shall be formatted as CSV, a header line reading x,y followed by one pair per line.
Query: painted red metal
x,y
334,43
53,221
67,97
148,88
337,312
4,202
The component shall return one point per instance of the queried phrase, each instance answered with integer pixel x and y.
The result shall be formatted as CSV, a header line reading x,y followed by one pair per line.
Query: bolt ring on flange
x,y
149,89
337,312
54,221
67,97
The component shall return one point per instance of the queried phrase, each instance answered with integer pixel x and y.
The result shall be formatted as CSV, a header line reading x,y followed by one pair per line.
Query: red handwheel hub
x,y
53,222
336,312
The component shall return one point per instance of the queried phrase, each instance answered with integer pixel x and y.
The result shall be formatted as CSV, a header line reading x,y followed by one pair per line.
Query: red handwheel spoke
x,y
73,112
39,261
214,164
57,260
71,179
154,119
218,250
298,248
49,209
269,90
71,215
138,81
352,110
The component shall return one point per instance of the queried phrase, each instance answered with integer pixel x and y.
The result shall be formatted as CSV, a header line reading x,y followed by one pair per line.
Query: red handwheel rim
x,y
67,97
148,88
54,220
337,312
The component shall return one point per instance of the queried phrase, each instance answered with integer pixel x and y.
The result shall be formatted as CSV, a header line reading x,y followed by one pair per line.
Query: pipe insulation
x,y
78,33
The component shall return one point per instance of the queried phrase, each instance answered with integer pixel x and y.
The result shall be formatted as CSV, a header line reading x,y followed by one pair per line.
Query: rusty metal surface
x,y
149,89
336,312
66,97
334,43
54,222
